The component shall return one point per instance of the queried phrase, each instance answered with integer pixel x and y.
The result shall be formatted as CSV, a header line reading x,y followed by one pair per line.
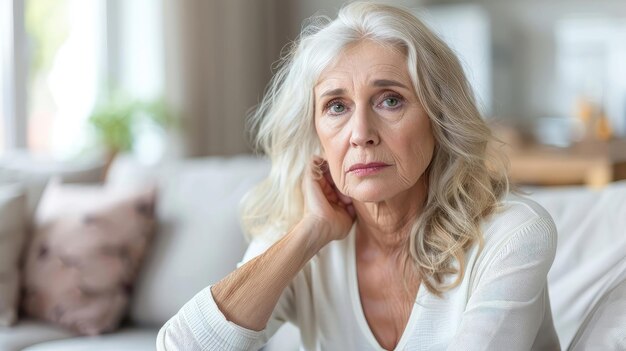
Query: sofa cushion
x,y
199,239
29,332
591,252
34,172
12,237
604,328
134,339
84,255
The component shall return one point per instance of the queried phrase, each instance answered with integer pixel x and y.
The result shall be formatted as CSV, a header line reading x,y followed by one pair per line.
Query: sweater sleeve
x,y
200,325
508,304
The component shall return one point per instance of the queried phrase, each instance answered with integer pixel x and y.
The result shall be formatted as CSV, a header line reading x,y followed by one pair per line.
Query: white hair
x,y
465,184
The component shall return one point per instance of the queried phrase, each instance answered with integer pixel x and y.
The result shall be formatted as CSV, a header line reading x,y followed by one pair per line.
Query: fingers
x,y
351,210
313,183
325,181
317,167
320,171
321,168
343,198
326,172
321,193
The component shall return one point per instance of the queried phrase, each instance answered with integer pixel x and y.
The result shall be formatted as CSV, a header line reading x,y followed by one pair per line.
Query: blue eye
x,y
337,108
391,102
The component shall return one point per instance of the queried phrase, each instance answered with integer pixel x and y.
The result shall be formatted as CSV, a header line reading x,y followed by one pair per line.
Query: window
x,y
3,81
57,57
11,91
66,40
49,73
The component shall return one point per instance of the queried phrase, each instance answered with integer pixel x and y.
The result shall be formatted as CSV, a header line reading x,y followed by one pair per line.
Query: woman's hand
x,y
248,295
326,207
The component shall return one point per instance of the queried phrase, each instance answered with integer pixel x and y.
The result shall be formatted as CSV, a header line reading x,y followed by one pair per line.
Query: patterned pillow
x,y
87,246
12,235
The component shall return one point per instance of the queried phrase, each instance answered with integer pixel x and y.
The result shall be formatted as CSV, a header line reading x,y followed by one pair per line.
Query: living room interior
x,y
134,114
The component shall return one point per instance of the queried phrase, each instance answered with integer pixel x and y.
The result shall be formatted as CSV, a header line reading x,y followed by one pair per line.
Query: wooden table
x,y
593,163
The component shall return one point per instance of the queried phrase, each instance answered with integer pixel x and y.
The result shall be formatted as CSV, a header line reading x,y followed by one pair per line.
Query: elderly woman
x,y
385,222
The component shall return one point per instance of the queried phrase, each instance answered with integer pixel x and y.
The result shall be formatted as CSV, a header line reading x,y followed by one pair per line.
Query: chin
x,y
372,192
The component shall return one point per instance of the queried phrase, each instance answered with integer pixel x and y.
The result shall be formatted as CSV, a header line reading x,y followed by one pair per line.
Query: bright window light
x,y
66,42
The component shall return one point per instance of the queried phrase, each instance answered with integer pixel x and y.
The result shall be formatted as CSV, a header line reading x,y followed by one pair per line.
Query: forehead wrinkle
x,y
351,68
324,87
374,79
380,71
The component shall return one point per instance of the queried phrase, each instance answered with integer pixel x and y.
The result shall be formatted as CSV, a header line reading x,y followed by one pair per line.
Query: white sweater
x,y
502,302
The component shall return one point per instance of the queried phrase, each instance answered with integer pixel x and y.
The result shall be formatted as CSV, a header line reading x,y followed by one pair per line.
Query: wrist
x,y
316,231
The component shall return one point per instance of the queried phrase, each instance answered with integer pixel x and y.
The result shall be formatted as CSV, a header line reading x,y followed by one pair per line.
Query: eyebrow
x,y
334,92
377,83
389,83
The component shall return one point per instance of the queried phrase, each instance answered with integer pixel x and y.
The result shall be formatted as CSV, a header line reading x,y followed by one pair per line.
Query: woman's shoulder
x,y
523,206
520,223
514,213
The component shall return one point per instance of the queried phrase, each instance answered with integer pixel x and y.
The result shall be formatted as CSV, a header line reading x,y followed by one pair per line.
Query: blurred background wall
x,y
535,65
220,56
532,60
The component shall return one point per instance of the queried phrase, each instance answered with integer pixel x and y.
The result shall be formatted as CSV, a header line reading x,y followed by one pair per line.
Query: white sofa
x,y
199,241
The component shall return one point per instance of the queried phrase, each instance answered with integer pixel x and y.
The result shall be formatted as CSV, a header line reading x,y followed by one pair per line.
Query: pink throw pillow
x,y
85,252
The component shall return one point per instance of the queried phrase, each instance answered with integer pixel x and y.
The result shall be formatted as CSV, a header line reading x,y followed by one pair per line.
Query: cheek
x,y
415,151
333,149
335,156
325,138
423,142
423,152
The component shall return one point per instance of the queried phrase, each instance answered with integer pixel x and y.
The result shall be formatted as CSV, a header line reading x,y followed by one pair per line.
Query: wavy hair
x,y
466,179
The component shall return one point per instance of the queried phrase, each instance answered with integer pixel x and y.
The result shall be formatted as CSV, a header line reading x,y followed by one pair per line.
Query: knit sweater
x,y
502,302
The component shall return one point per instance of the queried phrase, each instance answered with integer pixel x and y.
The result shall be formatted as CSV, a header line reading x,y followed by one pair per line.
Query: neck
x,y
386,225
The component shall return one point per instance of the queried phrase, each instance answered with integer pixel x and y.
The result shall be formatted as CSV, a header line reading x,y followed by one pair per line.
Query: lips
x,y
367,168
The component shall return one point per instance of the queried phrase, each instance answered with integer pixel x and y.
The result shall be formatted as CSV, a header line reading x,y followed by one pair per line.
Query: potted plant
x,y
114,122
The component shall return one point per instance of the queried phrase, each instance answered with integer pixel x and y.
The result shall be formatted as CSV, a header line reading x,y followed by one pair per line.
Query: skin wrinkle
x,y
378,212
238,294
288,137
387,203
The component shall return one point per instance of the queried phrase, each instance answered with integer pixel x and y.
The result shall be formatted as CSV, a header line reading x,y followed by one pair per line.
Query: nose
x,y
364,132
